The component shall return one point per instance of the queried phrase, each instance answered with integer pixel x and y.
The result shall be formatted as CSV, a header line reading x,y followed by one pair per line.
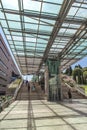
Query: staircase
x,y
36,94
75,93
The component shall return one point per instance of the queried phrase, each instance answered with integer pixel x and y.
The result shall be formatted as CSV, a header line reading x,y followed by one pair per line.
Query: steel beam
x,y
63,12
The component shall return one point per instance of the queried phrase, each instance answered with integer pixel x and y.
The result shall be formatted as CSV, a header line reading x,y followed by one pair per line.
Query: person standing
x,y
70,95
28,87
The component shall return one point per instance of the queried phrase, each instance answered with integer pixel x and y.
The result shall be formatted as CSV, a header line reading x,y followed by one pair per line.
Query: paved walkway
x,y
44,115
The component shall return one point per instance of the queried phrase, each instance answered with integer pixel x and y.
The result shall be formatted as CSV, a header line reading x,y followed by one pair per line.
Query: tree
x,y
69,71
77,72
84,69
85,77
34,78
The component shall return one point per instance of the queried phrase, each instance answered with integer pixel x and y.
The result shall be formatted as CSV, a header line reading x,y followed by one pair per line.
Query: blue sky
x,y
82,62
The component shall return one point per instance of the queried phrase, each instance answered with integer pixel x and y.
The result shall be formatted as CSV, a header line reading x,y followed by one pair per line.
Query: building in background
x,y
8,69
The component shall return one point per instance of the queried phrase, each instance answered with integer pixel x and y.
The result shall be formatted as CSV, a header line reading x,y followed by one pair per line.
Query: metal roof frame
x,y
53,29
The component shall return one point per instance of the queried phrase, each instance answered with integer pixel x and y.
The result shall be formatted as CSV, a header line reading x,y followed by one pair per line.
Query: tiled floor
x,y
44,115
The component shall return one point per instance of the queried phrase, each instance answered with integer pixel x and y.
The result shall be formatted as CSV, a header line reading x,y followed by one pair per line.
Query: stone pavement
x,y
44,115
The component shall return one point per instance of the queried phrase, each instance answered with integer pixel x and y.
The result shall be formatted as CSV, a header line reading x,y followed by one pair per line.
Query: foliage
x,y
80,74
15,83
84,69
34,78
77,72
69,71
85,77
78,66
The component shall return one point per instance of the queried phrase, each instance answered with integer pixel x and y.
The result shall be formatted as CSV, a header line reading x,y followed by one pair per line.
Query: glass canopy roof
x,y
41,29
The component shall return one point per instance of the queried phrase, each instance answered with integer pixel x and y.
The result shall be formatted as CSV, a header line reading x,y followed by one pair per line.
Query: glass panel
x,y
30,47
82,13
12,46
15,25
76,51
84,43
39,54
9,4
6,31
29,54
31,26
41,45
16,34
45,28
65,24
54,1
3,23
85,52
47,21
2,15
31,39
31,5
30,44
18,43
20,47
71,31
41,41
80,47
45,37
78,56
76,4
0,5
13,50
72,11
71,26
49,8
62,30
17,38
21,53
13,17
31,20
39,49
60,46
8,37
74,26
84,5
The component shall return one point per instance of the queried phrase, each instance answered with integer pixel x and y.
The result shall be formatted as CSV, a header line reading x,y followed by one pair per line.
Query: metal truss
x,y
41,29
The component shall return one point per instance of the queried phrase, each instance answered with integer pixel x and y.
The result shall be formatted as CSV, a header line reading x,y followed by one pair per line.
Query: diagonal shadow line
x,y
30,121
29,115
61,125
78,111
33,120
59,116
9,111
14,128
79,102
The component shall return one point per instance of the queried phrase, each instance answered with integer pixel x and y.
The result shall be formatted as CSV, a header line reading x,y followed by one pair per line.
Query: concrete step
x,y
37,94
75,94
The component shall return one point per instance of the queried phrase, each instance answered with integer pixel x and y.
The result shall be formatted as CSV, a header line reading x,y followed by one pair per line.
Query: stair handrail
x,y
8,102
17,89
80,91
76,88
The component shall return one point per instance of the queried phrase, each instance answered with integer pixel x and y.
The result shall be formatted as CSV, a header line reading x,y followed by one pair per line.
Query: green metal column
x,y
54,80
46,75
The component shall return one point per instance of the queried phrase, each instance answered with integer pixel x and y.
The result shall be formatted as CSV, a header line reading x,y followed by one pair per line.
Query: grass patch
x,y
15,84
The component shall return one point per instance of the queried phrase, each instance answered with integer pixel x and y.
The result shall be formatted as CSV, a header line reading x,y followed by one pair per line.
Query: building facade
x,y
7,66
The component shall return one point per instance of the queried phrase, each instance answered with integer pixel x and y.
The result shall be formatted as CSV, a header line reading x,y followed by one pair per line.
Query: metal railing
x,y
8,101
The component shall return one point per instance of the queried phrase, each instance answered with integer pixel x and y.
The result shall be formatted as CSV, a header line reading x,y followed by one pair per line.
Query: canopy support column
x,y
47,82
54,81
